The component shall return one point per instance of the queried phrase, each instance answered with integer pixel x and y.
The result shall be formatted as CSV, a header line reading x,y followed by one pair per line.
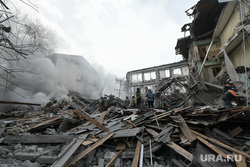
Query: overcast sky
x,y
119,35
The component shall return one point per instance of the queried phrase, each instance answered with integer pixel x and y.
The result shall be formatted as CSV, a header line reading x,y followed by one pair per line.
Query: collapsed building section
x,y
217,49
81,132
68,135
159,79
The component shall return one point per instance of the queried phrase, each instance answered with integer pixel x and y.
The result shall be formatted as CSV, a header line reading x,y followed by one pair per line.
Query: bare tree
x,y
19,38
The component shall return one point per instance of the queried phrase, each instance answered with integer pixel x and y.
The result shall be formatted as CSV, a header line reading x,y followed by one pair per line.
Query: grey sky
x,y
119,35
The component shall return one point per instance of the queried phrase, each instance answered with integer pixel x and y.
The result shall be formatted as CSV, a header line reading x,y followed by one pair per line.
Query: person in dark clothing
x,y
127,101
229,96
228,86
150,98
138,97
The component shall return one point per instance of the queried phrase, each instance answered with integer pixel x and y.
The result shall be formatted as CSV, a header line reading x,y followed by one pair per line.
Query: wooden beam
x,y
137,154
89,149
224,155
121,146
114,159
181,151
130,123
157,122
82,115
223,117
236,131
184,128
101,118
90,141
241,109
242,162
183,138
152,132
221,144
20,103
46,123
176,110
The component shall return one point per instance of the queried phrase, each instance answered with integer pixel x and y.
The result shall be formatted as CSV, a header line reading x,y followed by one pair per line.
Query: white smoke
x,y
43,81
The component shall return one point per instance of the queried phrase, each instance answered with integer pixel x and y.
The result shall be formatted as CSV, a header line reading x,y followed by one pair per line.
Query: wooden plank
x,y
224,155
181,151
121,146
20,103
183,138
176,110
157,122
221,144
242,162
90,141
152,132
223,117
114,159
130,123
134,112
184,128
67,152
137,154
46,123
83,116
241,109
236,131
85,152
101,118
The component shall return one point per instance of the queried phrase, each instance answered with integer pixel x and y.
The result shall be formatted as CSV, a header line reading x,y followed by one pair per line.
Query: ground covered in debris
x,y
81,133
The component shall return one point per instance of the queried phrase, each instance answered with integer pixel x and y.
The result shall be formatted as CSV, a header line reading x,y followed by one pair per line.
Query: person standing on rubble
x,y
127,101
151,98
104,103
138,97
133,101
229,94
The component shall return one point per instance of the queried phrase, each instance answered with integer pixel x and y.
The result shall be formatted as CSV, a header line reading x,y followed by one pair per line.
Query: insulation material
x,y
230,68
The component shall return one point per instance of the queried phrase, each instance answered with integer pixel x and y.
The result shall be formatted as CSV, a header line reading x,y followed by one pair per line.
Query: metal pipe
x,y
141,157
150,147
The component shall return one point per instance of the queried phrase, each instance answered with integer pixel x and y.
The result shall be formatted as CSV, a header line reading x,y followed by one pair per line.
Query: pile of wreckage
x,y
79,134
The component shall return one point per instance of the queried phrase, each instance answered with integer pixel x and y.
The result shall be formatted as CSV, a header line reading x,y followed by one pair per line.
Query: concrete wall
x,y
230,27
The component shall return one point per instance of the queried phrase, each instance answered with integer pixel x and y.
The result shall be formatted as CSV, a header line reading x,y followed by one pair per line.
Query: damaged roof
x,y
205,20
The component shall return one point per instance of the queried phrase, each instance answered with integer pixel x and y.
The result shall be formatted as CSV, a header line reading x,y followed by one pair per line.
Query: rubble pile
x,y
79,133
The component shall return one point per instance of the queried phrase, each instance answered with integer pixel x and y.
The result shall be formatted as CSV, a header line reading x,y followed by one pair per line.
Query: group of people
x,y
137,101
229,95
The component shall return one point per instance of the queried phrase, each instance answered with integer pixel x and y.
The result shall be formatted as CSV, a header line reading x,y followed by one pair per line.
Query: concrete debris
x,y
125,136
189,125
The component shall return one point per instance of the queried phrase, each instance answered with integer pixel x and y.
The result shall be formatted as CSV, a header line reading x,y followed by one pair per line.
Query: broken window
x,y
185,71
147,76
162,74
134,77
177,72
167,73
139,77
152,75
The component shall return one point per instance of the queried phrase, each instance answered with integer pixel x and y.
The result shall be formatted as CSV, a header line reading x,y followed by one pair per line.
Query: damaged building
x,y
198,132
81,76
217,49
159,79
